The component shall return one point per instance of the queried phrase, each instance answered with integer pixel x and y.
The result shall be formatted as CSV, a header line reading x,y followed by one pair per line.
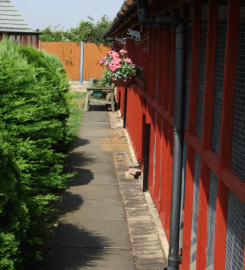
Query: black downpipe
x,y
146,156
143,13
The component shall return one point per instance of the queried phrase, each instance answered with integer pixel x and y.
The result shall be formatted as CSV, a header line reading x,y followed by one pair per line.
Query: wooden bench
x,y
107,101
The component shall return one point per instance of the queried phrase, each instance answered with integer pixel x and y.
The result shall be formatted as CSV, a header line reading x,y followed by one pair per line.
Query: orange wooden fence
x,y
70,55
92,53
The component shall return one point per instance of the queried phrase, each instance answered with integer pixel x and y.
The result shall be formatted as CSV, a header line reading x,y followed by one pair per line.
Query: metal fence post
x,y
81,65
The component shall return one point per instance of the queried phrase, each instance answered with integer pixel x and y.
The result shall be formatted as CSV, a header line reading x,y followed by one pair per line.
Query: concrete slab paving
x,y
85,143
92,161
98,125
89,178
114,233
100,146
91,259
89,134
72,211
93,164
97,192
104,222
96,116
95,140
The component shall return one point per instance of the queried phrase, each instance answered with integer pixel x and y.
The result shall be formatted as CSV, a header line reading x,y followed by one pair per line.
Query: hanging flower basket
x,y
124,83
119,67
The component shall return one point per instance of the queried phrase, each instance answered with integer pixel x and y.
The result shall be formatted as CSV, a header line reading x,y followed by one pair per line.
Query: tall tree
x,y
86,31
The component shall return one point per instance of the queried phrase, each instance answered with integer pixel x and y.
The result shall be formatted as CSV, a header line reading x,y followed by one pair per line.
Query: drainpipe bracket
x,y
176,260
173,263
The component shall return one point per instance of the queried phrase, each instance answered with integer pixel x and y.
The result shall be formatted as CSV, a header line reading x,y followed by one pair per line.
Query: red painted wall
x,y
154,103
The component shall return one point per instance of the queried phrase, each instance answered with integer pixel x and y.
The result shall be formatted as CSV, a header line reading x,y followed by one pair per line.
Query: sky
x,y
66,14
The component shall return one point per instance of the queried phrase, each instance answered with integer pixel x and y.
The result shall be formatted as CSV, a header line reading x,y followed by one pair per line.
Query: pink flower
x,y
115,64
123,51
113,68
128,60
115,55
116,61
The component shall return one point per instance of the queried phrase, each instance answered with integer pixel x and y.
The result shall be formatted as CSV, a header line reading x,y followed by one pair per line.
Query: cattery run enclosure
x,y
212,200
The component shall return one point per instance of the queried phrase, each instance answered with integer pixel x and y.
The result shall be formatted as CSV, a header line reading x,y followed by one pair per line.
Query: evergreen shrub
x,y
33,113
14,218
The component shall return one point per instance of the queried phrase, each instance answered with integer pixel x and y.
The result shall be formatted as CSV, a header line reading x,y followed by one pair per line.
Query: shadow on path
x,y
67,257
92,231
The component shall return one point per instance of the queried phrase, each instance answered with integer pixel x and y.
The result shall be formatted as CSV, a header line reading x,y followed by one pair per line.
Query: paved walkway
x,y
105,221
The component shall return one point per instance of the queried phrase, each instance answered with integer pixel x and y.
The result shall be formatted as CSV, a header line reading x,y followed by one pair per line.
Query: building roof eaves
x,y
128,8
19,31
10,17
129,13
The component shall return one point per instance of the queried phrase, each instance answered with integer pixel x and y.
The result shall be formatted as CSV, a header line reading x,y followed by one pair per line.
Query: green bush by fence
x,y
34,138
14,218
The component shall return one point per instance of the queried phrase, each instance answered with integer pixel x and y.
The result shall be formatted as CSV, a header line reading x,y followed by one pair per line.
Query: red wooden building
x,y
212,212
15,27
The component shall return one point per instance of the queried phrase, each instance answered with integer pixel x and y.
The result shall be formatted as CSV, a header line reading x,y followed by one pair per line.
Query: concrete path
x,y
77,87
94,232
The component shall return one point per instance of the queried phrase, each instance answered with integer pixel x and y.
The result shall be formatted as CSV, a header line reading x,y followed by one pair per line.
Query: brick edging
x,y
146,246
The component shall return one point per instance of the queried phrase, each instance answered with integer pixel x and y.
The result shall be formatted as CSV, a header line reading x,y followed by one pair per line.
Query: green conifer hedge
x,y
33,138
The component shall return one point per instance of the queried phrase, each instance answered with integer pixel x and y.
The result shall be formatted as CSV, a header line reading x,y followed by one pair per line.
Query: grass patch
x,y
76,113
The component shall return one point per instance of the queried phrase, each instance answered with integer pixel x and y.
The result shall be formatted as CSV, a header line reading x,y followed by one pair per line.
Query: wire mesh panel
x,y
154,159
34,40
188,71
200,99
238,136
235,233
156,93
195,211
160,182
219,77
183,194
213,183
170,66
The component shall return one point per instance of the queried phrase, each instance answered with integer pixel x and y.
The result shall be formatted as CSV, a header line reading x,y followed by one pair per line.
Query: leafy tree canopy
x,y
86,31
